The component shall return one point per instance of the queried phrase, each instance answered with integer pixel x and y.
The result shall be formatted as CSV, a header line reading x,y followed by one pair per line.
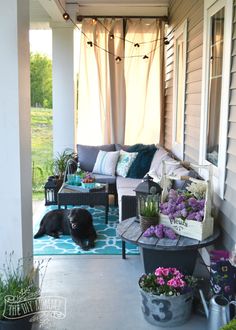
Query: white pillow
x,y
125,161
106,162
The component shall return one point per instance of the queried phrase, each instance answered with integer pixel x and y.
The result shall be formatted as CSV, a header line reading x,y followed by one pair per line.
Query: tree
x,y
41,80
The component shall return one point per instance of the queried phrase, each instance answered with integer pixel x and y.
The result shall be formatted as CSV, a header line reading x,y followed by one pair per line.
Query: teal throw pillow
x,y
125,161
142,162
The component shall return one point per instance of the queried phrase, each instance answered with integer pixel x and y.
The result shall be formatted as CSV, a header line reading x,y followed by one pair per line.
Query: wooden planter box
x,y
190,228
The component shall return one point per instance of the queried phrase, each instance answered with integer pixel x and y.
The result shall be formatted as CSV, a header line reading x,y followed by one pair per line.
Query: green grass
x,y
41,141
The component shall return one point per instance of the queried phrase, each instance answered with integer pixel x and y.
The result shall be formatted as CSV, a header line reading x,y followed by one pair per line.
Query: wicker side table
x,y
72,197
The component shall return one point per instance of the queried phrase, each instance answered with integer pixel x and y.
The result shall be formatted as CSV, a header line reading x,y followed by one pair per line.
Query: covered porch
x,y
16,188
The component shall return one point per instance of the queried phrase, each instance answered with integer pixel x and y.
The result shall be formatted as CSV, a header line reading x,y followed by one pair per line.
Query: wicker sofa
x,y
123,188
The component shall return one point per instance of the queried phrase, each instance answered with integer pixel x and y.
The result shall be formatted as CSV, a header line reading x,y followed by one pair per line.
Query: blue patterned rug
x,y
107,243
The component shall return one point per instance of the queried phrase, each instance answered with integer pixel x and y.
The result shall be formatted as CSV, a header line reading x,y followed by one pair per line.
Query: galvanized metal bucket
x,y
166,311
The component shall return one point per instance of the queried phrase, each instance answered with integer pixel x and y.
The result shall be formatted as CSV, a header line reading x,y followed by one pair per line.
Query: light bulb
x,y
118,59
66,16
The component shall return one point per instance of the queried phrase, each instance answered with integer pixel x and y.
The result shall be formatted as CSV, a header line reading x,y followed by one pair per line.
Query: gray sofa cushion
x,y
130,183
105,178
87,155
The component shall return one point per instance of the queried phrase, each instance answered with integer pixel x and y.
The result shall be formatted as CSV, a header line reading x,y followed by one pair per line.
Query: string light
x,y
66,16
118,59
166,41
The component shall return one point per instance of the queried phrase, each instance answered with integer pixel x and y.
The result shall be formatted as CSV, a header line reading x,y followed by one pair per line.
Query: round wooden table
x,y
180,253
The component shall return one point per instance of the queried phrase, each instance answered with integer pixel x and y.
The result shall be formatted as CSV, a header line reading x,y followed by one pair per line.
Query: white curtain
x,y
120,102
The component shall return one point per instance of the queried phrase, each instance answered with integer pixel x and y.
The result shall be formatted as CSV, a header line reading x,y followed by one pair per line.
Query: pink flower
x,y
162,271
160,280
158,271
176,282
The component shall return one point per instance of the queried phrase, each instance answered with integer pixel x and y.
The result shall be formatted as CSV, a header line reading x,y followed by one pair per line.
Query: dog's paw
x,y
85,247
91,245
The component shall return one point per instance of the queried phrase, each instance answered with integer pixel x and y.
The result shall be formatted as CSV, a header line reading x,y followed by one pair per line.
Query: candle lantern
x,y
148,193
51,189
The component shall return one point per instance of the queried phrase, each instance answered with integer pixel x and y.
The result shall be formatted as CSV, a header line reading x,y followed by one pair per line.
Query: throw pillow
x,y
125,161
106,162
142,162
87,155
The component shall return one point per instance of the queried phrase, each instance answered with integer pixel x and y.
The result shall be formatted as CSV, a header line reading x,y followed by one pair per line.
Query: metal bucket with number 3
x,y
166,311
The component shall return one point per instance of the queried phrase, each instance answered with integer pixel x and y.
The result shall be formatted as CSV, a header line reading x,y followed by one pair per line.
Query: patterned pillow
x,y
106,162
125,161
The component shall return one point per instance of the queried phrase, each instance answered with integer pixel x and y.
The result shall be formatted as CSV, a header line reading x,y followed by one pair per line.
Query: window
x,y
215,88
179,90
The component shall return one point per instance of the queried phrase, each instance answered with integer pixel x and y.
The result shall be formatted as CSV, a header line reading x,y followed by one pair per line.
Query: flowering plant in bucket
x,y
167,282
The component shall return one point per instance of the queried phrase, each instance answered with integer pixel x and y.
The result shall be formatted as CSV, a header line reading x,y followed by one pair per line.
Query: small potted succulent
x,y
167,296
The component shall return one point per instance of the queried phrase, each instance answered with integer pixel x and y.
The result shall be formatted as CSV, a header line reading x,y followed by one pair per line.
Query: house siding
x,y
193,12
180,10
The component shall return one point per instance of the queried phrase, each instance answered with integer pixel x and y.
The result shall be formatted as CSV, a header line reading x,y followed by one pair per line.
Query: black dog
x,y
77,222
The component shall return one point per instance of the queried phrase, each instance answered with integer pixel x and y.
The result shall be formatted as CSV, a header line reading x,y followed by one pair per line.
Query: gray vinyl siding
x,y
193,11
228,206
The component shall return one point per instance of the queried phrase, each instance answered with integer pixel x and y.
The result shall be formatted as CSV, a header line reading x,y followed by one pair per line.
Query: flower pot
x,y
166,311
146,222
16,324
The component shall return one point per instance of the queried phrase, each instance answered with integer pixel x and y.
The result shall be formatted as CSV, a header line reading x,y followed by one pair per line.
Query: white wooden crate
x,y
190,228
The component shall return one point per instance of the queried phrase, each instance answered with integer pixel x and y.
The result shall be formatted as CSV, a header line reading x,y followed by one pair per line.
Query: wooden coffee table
x,y
181,252
71,196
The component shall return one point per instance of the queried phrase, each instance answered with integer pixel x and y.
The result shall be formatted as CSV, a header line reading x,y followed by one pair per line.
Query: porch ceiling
x,y
46,12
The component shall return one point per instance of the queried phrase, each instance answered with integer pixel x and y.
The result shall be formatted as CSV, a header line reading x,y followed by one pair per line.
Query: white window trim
x,y
178,148
210,8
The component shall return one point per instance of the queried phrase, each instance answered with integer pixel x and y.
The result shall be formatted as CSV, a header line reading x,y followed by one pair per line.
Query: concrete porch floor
x,y
101,292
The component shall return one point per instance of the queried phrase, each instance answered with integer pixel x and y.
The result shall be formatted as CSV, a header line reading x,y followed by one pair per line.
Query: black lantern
x,y
51,189
145,190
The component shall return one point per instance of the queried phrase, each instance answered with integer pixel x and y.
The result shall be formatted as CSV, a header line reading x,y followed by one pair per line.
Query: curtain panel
x,y
121,102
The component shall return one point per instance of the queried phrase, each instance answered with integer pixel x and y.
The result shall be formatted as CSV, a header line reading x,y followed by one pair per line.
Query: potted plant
x,y
61,160
230,326
167,296
149,211
19,292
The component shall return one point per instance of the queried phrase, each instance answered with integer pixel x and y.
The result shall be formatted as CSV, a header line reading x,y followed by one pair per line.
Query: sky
x,y
41,42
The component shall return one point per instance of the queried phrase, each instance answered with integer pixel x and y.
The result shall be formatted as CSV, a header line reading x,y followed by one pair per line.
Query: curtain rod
x,y
81,17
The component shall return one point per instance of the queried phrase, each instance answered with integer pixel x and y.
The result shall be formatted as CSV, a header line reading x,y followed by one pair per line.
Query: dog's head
x,y
79,217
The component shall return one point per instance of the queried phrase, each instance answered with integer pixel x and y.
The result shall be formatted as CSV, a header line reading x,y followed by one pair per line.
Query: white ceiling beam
x,y
53,9
122,10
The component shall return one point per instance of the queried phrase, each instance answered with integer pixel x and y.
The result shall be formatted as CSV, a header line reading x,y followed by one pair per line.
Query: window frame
x,y
178,148
211,7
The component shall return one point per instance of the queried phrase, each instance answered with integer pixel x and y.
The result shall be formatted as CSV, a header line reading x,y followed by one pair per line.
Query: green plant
x,y
149,206
230,326
21,286
60,162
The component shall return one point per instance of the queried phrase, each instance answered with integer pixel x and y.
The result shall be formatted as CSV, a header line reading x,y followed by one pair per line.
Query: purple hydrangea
x,y
183,205
160,231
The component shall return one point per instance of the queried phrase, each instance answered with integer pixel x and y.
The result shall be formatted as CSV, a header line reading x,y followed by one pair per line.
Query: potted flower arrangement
x,y
188,212
88,181
19,292
149,211
167,296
